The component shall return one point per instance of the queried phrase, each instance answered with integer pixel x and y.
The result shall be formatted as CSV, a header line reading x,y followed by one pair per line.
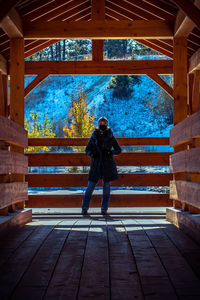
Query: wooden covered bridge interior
x,y
148,247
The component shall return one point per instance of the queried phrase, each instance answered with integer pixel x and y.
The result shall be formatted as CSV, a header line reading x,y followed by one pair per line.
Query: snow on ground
x,y
127,117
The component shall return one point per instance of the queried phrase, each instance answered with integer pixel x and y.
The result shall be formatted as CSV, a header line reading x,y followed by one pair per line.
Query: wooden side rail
x,y
81,159
186,130
13,133
185,164
80,141
116,200
188,192
185,161
81,180
13,191
13,162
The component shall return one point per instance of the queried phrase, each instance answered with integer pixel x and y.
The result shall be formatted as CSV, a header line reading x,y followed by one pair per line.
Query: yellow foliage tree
x,y
80,119
35,130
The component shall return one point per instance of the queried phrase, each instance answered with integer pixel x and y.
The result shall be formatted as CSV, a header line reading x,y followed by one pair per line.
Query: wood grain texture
x,y
79,141
69,180
185,161
13,133
95,67
186,191
13,192
81,159
98,29
125,200
13,162
186,130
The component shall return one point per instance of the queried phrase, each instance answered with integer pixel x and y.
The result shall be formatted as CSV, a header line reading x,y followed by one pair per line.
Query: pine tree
x,y
35,130
122,85
80,119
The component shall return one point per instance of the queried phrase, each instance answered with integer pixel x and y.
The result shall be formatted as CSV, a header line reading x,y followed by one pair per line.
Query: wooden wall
x,y
13,136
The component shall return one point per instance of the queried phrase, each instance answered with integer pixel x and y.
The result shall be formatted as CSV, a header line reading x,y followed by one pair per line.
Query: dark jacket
x,y
99,147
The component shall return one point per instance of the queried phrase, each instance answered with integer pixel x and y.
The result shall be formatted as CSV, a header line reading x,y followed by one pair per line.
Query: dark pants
x,y
89,191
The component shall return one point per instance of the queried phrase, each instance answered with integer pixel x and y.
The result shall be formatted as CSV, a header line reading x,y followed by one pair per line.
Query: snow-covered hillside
x,y
129,118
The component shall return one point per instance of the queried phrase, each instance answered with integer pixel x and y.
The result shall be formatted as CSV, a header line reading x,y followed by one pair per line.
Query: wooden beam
x,y
79,141
13,133
106,67
154,45
139,29
17,80
3,65
13,162
36,81
81,159
126,200
13,192
185,191
2,102
162,83
183,25
190,92
98,13
12,25
194,62
17,95
180,79
186,130
6,7
185,161
38,46
196,92
69,180
190,9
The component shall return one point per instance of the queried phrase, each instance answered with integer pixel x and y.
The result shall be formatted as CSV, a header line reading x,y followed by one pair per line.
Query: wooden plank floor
x,y
118,257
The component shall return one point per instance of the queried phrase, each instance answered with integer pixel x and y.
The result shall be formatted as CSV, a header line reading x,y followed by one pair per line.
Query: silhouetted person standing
x,y
103,163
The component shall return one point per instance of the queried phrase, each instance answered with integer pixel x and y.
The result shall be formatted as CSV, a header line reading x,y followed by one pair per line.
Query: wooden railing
x,y
185,164
12,192
80,179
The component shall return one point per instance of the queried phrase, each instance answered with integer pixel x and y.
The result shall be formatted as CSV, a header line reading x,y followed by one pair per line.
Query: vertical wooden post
x,y
98,13
17,95
180,91
180,79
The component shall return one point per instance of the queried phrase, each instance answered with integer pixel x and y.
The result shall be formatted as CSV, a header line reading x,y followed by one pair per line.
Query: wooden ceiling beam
x,y
3,65
130,8
98,13
154,11
190,9
154,46
33,6
72,13
99,29
12,24
58,11
80,16
194,62
104,68
122,13
184,24
116,16
167,7
46,10
42,45
6,7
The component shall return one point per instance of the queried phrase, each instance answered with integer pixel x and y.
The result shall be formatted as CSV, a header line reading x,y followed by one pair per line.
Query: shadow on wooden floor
x,y
120,257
